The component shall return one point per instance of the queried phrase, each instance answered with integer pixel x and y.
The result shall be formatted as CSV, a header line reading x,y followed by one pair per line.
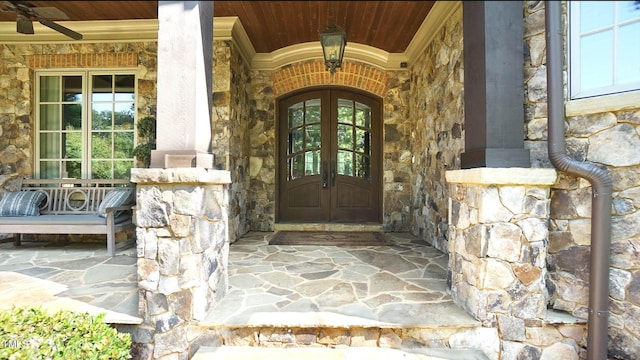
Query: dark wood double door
x,y
329,157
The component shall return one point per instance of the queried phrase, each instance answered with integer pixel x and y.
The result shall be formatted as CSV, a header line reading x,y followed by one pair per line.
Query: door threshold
x,y
327,227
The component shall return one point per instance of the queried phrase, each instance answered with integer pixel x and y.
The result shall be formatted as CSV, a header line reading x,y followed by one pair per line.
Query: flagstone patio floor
x,y
401,285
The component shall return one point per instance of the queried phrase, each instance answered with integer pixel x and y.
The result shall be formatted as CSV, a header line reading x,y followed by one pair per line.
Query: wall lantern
x,y
333,41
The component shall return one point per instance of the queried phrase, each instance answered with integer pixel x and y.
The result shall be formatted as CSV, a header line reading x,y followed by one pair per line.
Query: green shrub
x,y
32,334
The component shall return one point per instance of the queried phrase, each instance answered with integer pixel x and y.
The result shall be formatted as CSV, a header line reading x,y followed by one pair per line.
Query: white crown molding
x,y
437,17
92,31
230,28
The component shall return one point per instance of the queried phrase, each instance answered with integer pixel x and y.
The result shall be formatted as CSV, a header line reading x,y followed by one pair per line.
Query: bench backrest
x,y
73,196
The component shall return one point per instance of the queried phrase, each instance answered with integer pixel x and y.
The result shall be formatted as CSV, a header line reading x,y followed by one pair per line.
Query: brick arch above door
x,y
313,73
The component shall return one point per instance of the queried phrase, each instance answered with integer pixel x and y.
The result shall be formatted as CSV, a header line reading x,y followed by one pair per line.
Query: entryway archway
x,y
329,154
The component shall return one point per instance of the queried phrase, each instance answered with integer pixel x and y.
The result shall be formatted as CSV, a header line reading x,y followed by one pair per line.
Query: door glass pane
x,y
50,117
101,115
123,144
101,169
313,136
101,89
296,115
72,145
363,167
49,88
362,141
124,88
72,169
296,167
72,88
345,111
49,169
101,145
312,162
345,163
312,111
363,115
50,145
122,169
295,141
123,116
72,116
345,137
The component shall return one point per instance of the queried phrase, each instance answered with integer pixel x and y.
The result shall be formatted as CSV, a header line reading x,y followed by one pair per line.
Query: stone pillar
x,y
497,241
185,62
493,85
182,246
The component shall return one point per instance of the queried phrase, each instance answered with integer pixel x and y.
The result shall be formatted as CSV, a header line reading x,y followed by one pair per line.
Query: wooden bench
x,y
71,207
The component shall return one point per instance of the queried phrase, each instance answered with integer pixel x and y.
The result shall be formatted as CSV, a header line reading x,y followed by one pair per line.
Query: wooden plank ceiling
x,y
271,25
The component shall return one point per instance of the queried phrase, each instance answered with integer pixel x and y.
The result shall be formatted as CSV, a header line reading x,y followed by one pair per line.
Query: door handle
x,y
324,175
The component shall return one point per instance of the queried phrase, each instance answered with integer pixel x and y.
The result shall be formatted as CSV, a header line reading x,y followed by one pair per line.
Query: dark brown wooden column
x,y
493,85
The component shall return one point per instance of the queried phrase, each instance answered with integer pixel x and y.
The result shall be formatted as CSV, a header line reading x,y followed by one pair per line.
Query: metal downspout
x,y
601,188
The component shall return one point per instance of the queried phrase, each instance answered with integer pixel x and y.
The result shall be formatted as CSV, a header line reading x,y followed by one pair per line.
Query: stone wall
x,y
230,125
609,138
183,248
437,139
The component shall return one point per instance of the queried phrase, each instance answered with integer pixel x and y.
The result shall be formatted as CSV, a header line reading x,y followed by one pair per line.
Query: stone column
x,y
185,62
182,246
498,241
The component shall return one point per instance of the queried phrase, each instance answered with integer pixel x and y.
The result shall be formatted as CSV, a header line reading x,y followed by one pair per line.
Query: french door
x,y
329,157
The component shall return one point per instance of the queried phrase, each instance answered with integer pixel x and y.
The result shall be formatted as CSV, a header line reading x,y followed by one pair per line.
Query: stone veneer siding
x,y
267,85
230,127
610,139
183,250
437,138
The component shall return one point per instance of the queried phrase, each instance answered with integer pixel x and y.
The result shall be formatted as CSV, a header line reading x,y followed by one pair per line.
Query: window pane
x,y
345,163
101,115
296,115
596,58
50,169
72,116
50,117
72,169
49,88
123,143
124,89
595,14
312,162
629,55
312,111
72,145
123,116
101,170
101,89
50,145
628,10
345,111
313,136
122,169
345,137
101,145
72,88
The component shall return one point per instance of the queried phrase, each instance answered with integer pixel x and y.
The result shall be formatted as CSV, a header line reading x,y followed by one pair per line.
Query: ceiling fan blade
x,y
61,29
24,25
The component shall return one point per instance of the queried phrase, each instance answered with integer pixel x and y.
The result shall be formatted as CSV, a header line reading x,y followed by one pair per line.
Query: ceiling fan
x,y
26,13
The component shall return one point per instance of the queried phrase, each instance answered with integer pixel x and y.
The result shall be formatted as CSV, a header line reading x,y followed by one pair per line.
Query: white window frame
x,y
574,35
86,74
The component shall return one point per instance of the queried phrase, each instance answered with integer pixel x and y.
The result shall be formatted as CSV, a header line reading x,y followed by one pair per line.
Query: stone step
x,y
327,227
341,353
